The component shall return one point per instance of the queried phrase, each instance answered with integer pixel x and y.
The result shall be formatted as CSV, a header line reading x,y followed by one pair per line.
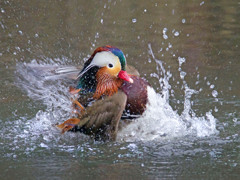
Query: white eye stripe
x,y
85,70
105,58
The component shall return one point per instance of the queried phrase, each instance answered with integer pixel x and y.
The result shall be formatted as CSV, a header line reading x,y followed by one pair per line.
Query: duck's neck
x,y
106,84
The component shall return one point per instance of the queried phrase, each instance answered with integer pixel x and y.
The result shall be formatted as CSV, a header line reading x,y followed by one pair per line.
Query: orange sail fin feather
x,y
75,102
68,124
73,90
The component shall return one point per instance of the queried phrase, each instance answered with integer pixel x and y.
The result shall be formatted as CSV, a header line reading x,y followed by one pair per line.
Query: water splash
x,y
160,121
30,134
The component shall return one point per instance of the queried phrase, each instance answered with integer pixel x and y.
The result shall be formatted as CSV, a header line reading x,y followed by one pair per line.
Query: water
x,y
188,51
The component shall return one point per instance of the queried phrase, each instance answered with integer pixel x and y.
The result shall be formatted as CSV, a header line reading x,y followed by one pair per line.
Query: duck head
x,y
104,72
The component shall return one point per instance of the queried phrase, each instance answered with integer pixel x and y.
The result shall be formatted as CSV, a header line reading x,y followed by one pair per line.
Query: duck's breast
x,y
136,95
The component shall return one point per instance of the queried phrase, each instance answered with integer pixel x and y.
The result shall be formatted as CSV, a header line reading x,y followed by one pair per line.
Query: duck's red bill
x,y
124,75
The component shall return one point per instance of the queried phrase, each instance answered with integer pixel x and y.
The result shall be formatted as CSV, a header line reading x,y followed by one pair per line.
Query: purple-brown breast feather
x,y
136,95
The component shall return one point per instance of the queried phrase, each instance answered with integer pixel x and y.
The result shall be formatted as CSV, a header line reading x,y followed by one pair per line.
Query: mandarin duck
x,y
109,91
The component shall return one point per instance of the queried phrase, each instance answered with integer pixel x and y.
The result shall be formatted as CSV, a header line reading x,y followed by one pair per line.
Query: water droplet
x,y
97,35
18,48
134,20
202,3
176,33
212,154
212,86
165,36
181,60
214,93
182,74
164,33
132,146
235,120
2,25
43,145
164,30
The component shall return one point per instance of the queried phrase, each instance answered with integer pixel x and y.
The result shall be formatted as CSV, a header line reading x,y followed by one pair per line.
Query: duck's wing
x,y
101,119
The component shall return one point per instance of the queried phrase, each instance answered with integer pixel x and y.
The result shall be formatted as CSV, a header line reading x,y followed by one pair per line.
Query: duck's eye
x,y
110,65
